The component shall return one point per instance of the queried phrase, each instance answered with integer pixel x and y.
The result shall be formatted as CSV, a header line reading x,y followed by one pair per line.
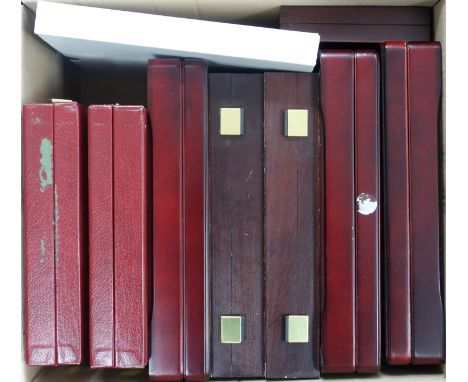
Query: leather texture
x,y
101,236
292,215
130,174
424,92
236,223
359,24
397,205
367,196
196,299
69,245
338,341
38,235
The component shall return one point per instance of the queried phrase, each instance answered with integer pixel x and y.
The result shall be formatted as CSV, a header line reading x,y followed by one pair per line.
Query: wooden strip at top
x,y
339,315
236,226
291,263
368,205
396,216
195,161
101,237
69,244
424,91
38,235
356,15
164,106
130,170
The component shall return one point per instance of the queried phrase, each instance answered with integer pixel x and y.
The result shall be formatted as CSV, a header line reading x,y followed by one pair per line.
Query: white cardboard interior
x,y
46,75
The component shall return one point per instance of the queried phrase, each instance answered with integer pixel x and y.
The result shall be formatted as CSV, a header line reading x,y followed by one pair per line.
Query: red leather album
x,y
69,245
38,235
178,326
236,223
130,189
338,341
291,228
101,236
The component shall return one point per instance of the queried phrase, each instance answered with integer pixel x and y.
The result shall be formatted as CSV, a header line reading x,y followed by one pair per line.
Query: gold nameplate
x,y
297,329
231,329
231,121
296,123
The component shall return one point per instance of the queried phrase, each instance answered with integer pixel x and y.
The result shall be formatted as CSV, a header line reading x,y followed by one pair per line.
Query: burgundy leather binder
x,y
178,327
69,246
414,308
38,235
101,236
130,173
236,224
368,205
338,347
424,91
196,300
397,205
292,215
359,24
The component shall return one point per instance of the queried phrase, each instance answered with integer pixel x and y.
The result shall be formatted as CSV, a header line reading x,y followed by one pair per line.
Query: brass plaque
x,y
297,329
231,329
231,121
296,123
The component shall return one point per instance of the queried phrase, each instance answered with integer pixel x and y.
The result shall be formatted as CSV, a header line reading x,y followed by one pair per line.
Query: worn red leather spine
x,y
38,235
130,170
397,206
339,308
367,193
290,227
69,245
165,94
195,107
236,224
101,236
424,90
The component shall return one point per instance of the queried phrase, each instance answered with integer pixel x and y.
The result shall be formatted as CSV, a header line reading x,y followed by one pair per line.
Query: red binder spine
x,y
339,316
130,236
367,192
164,104
68,211
424,89
397,239
38,220
195,106
101,239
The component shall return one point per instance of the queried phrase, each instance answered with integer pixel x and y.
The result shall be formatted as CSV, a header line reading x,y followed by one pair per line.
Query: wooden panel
x,y
236,223
291,213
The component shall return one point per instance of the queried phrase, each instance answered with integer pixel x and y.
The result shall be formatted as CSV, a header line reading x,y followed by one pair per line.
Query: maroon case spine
x,y
339,309
165,94
367,192
38,239
397,206
101,236
290,227
69,246
424,90
196,347
130,236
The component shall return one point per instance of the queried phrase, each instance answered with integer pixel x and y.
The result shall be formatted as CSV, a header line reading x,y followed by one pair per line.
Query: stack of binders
x,y
257,224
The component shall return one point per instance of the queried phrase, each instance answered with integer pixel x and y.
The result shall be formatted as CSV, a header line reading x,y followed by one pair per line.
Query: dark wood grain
x,y
367,178
396,217
236,223
338,344
360,24
195,106
291,213
424,90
